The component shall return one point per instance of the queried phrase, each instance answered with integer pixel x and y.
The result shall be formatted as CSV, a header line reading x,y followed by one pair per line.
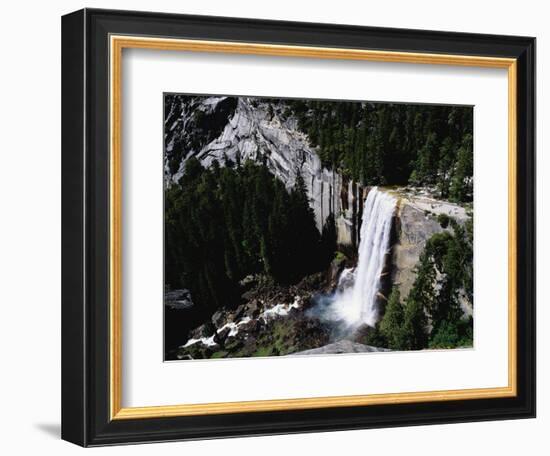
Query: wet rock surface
x,y
274,322
342,346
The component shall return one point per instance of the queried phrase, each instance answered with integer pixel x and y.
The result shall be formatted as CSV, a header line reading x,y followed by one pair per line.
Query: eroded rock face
x,y
414,229
348,220
415,222
251,129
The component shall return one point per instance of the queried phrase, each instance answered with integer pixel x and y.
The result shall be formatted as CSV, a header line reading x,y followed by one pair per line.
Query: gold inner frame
x,y
117,44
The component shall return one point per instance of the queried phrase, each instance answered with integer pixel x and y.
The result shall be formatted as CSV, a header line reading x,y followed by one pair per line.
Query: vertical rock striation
x,y
239,129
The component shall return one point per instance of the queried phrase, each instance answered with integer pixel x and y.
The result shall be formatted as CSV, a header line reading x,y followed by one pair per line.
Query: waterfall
x,y
357,304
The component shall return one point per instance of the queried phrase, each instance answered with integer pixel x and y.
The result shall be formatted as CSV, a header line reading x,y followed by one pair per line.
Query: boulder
x,y
221,336
239,313
248,295
219,318
178,299
184,356
342,346
253,309
335,269
251,327
204,330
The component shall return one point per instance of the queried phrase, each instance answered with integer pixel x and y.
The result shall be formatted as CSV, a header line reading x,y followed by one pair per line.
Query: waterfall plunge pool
x,y
355,302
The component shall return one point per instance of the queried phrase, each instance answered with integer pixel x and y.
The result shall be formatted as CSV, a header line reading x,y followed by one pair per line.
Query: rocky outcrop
x,y
416,221
348,220
253,129
178,299
342,346
274,321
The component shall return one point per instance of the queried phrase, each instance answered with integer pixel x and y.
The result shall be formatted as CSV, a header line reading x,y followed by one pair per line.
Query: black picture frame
x,y
86,417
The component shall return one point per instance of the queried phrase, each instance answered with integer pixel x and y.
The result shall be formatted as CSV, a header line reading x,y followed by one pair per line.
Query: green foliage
x,y
444,271
373,143
340,256
219,354
374,337
431,315
404,327
224,223
392,324
443,220
461,186
393,144
415,334
453,334
426,165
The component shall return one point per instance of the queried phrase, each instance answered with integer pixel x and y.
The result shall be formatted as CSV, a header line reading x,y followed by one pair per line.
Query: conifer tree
x,y
391,325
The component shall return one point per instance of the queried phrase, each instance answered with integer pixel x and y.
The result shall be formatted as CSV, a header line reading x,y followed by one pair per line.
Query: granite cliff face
x,y
239,129
221,128
381,231
416,220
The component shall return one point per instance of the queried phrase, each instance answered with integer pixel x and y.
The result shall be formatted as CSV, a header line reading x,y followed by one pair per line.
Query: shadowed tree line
x,y
225,223
393,144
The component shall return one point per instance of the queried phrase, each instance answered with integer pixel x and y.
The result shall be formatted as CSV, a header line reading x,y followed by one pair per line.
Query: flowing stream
x,y
355,301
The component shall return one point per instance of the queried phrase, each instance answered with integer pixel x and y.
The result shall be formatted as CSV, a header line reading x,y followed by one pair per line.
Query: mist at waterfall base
x,y
355,302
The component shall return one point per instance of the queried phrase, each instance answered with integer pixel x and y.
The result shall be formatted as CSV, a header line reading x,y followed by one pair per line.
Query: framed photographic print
x,y
278,227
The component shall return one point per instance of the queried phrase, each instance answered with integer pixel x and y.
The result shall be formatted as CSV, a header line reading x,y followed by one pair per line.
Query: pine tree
x,y
391,325
461,188
415,334
306,238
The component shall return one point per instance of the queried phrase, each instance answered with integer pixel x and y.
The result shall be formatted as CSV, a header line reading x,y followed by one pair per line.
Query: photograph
x,y
276,224
315,227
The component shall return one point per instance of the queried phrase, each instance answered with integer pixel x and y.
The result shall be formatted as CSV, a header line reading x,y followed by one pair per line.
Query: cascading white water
x,y
358,303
